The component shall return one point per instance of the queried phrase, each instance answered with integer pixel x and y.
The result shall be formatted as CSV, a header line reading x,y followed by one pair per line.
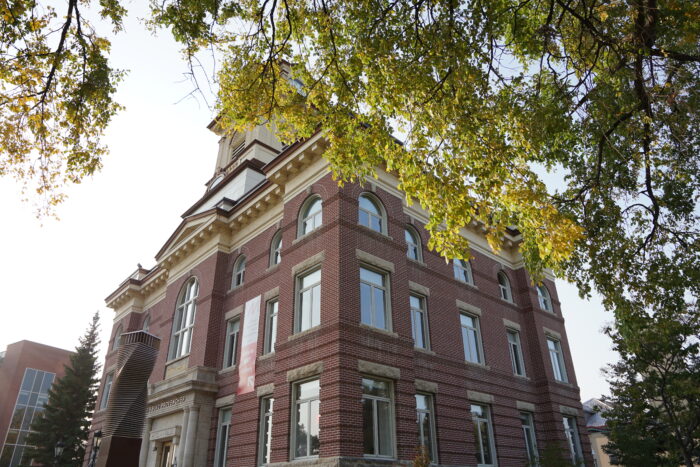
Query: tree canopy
x,y
484,95
68,413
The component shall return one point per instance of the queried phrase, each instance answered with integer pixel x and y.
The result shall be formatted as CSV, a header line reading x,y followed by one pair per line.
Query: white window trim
x,y
239,272
477,330
117,335
489,427
433,431
519,357
505,289
387,297
219,431
462,266
106,390
298,300
295,411
423,312
544,298
375,423
265,417
276,249
305,214
556,356
411,232
227,347
177,344
381,216
269,342
572,437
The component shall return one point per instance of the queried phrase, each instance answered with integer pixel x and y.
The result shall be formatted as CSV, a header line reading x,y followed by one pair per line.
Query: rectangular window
x,y
419,322
528,425
377,418
426,424
222,437
516,353
106,390
483,436
308,301
266,410
471,338
373,304
557,358
271,326
233,328
571,432
306,419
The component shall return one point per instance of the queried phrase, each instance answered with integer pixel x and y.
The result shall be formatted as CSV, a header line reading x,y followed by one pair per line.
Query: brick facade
x,y
343,349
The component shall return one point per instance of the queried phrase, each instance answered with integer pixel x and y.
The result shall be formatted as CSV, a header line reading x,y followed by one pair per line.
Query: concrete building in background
x,y
596,425
27,371
305,322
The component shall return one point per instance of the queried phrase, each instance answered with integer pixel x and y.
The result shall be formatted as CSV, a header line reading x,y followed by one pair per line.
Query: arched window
x,y
370,213
239,272
504,286
544,298
183,322
276,249
117,335
311,215
413,248
146,323
462,271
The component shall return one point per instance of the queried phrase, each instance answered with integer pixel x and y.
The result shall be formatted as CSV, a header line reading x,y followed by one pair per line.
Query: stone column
x,y
183,436
191,437
146,442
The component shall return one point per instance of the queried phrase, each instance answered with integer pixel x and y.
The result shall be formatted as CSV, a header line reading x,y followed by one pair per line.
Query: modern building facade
x,y
305,322
27,371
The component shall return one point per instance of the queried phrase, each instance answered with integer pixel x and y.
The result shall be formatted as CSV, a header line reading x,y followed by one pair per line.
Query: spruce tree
x,y
68,412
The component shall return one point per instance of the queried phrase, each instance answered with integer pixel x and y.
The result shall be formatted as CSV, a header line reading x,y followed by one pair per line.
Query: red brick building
x,y
301,321
27,371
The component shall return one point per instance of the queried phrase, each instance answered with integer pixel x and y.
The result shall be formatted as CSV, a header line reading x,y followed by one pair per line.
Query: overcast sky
x,y
56,273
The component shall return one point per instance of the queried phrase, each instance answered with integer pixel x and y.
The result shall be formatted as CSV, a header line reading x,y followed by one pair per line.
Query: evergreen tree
x,y
68,412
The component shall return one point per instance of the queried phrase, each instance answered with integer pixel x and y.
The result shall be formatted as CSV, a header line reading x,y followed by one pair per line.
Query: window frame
x,y
423,312
504,286
117,335
293,418
433,452
556,357
516,356
375,418
385,287
477,333
221,426
265,430
527,423
106,390
299,304
276,249
544,298
271,322
380,215
146,324
489,424
573,438
232,340
238,277
178,347
461,268
305,214
415,242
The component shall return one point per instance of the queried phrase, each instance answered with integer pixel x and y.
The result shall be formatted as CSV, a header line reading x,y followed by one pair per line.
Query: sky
x,y
55,274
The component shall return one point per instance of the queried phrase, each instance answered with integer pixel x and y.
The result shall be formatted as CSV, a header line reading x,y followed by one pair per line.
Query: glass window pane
x,y
36,387
308,390
368,205
368,425
376,223
17,416
28,380
46,384
23,398
302,430
314,429
316,306
366,303
26,423
311,279
372,277
380,315
384,437
373,387
363,218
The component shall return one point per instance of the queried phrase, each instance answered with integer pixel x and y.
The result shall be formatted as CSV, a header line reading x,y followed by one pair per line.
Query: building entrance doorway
x,y
166,455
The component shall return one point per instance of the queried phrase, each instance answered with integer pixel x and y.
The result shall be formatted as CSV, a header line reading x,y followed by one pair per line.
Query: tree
x,y
484,95
655,415
68,412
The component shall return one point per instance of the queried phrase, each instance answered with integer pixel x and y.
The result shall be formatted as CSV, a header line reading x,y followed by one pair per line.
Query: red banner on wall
x,y
249,346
